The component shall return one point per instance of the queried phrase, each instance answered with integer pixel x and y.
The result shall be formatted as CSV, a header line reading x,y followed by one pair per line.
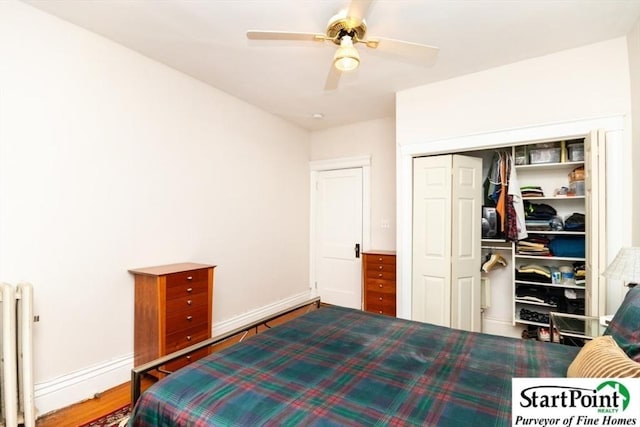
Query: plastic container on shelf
x,y
521,156
544,155
576,188
575,152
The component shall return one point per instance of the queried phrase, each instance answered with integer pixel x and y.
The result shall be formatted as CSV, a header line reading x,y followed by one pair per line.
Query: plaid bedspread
x,y
337,367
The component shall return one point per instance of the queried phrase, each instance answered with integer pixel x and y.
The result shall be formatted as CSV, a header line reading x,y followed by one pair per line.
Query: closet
x,y
561,178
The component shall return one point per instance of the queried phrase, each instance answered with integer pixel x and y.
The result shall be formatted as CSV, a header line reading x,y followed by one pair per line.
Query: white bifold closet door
x,y
596,219
447,205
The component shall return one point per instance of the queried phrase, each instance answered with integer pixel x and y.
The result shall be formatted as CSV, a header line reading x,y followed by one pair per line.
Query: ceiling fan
x,y
346,29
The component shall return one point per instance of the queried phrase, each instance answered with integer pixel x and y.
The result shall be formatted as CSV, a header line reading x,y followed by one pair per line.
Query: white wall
x,y
377,139
587,82
111,161
633,40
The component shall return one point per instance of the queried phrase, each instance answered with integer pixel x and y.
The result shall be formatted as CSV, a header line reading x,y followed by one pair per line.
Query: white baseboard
x,y
257,314
84,384
500,327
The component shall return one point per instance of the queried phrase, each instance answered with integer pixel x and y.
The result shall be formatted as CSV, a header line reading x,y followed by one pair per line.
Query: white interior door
x,y
447,198
339,229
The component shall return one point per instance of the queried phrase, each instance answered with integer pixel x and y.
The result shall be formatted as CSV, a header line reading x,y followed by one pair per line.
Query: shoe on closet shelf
x,y
543,334
494,261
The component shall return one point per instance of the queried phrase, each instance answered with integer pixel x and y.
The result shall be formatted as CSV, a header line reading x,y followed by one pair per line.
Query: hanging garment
x,y
517,205
490,183
501,205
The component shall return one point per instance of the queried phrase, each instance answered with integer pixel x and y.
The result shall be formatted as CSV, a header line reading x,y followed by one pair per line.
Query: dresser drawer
x,y
185,319
183,302
187,337
387,307
378,285
380,298
378,274
381,268
381,259
187,283
174,366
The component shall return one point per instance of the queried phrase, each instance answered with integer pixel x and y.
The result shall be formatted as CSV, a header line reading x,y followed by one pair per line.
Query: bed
x,y
336,366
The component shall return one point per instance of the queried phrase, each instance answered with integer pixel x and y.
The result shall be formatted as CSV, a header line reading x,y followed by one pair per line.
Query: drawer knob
x,y
188,357
188,337
380,311
188,302
189,289
189,277
379,274
189,318
380,299
380,285
380,267
380,259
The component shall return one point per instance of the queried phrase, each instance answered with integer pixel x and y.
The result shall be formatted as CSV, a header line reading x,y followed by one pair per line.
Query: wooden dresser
x,y
379,282
173,310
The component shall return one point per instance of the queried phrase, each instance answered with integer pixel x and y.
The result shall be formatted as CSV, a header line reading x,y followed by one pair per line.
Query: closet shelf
x,y
561,232
498,248
529,322
542,304
550,258
548,166
548,285
540,198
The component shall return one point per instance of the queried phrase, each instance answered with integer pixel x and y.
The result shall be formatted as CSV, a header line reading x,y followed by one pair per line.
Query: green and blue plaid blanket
x,y
337,367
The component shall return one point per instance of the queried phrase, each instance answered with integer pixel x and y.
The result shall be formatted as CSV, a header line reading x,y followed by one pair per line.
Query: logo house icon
x,y
613,388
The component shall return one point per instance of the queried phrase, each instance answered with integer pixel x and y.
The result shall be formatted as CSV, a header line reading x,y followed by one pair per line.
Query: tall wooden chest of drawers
x,y
379,282
173,310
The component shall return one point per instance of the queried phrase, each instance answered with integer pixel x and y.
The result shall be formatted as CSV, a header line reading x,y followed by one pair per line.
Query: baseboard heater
x,y
16,367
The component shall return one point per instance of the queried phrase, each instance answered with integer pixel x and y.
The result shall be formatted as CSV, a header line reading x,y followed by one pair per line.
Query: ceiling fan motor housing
x,y
355,28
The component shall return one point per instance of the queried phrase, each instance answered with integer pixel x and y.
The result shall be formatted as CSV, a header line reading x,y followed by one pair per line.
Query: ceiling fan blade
x,y
358,9
333,78
284,35
413,52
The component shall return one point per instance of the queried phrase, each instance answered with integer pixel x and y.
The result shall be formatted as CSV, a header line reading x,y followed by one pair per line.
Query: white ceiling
x,y
206,39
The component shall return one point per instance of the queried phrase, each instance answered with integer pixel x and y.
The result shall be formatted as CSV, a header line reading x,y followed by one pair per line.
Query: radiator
x,y
16,367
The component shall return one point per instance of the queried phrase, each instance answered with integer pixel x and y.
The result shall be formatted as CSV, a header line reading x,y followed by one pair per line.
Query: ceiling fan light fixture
x,y
346,57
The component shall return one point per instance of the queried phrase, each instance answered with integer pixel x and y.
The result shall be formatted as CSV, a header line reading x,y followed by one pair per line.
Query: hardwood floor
x,y
117,397
88,410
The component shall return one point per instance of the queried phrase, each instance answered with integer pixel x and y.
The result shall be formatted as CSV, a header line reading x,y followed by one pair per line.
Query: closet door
x,y
466,202
595,206
431,299
446,240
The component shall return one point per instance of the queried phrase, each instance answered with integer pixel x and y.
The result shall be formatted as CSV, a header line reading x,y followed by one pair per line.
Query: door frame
x,y
316,166
616,234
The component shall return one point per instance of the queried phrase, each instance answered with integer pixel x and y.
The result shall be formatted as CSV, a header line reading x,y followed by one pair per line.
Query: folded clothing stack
x,y
534,273
540,294
534,245
531,191
534,316
568,246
